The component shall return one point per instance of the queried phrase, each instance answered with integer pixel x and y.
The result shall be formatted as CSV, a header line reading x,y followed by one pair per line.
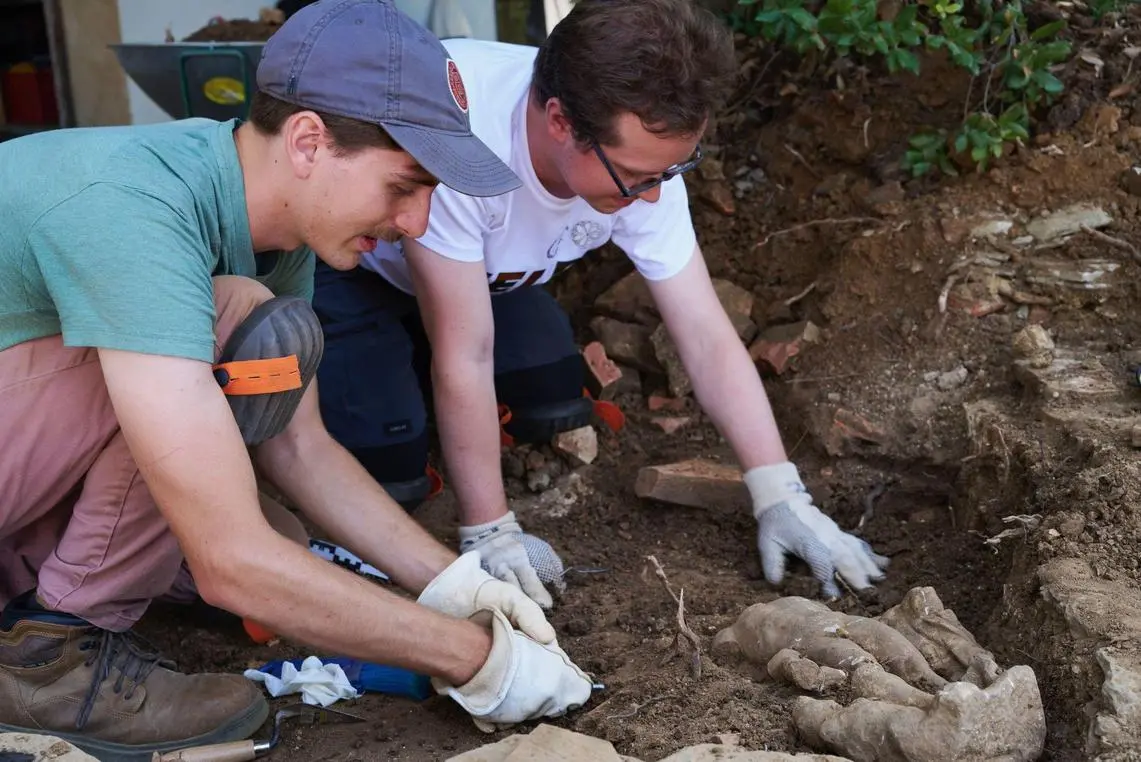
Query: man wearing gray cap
x,y
154,324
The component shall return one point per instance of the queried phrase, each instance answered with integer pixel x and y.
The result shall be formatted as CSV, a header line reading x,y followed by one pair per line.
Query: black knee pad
x,y
540,423
544,400
267,365
400,468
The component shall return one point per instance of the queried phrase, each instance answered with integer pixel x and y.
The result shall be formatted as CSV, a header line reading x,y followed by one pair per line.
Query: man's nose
x,y
412,220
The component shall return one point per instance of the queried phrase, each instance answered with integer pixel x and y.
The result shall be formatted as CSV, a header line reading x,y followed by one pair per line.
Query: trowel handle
x,y
238,751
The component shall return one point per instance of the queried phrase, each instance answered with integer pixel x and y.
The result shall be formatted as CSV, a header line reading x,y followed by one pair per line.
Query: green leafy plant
x,y
1010,63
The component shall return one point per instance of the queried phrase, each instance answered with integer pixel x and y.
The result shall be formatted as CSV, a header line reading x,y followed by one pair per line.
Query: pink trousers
x,y
76,519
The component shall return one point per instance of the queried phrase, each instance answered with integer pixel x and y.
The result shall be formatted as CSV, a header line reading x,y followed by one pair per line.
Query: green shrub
x,y
1010,63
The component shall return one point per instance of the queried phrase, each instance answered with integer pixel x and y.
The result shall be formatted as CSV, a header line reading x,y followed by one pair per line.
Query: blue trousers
x,y
375,381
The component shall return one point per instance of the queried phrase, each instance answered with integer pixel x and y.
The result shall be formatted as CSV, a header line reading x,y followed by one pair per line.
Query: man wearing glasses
x,y
599,123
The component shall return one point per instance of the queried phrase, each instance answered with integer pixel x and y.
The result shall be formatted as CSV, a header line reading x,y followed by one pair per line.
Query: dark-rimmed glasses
x,y
642,187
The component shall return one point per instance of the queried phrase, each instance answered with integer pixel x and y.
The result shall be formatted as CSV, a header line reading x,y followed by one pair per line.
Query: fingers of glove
x,y
520,680
522,612
772,557
544,560
548,684
779,530
856,562
530,583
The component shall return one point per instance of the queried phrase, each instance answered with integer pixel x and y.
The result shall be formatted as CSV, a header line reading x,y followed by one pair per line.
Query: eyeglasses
x,y
642,187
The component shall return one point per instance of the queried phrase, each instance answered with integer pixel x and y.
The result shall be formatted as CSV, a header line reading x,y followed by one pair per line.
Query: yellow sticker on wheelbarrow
x,y
225,91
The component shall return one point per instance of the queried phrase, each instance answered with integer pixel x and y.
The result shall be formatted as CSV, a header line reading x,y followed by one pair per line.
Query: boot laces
x,y
131,655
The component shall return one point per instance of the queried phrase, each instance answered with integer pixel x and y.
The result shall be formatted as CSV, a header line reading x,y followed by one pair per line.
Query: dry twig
x,y
684,632
945,293
794,299
637,708
802,160
803,225
1115,242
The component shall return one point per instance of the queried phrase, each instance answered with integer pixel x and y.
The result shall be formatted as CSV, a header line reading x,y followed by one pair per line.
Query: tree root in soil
x,y
811,223
684,633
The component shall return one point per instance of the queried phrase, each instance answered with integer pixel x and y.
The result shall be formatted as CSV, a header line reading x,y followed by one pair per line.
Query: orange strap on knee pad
x,y
244,377
607,412
505,439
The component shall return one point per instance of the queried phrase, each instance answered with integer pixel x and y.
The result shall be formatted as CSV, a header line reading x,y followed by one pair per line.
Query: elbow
x,y
218,581
458,364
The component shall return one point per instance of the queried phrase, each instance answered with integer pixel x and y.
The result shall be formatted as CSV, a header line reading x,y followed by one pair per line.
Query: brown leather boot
x,y
108,693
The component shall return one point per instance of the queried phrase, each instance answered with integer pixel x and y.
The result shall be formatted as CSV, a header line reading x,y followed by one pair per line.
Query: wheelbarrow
x,y
215,80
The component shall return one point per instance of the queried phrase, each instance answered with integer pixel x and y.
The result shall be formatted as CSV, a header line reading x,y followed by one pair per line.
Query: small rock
x,y
1068,221
1073,526
602,381
35,747
628,299
888,193
952,379
579,445
670,424
667,355
848,430
536,461
627,343
1130,180
538,481
923,406
1135,435
718,195
658,403
513,465
957,229
1034,345
779,344
995,228
728,739
738,304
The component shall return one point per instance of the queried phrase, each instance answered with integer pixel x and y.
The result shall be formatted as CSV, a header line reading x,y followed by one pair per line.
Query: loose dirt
x,y
964,437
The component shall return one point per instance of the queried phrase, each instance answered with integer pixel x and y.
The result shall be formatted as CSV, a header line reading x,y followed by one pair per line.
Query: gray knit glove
x,y
788,522
512,556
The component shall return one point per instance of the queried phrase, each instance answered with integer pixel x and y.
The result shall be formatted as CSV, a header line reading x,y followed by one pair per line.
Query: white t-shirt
x,y
525,236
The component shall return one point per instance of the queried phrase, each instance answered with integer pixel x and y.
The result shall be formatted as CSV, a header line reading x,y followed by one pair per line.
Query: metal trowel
x,y
239,751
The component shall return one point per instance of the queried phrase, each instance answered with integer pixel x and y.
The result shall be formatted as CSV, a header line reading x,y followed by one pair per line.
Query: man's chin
x,y
341,260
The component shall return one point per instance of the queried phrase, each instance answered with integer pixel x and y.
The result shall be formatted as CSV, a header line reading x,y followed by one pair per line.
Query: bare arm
x,y
334,491
183,437
725,380
456,308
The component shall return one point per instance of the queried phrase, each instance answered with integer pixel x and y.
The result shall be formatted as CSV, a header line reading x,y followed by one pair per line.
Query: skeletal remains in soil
x,y
924,688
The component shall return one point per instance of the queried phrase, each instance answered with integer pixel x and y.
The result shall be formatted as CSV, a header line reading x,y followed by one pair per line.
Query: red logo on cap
x,y
456,85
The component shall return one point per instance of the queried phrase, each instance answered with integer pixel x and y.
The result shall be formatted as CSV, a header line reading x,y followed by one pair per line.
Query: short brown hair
x,y
670,62
268,114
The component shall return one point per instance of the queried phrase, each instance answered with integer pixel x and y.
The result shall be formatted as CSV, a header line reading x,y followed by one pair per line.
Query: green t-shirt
x,y
111,235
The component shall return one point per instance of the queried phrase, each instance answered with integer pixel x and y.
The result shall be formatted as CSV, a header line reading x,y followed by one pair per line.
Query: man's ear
x,y
304,135
558,125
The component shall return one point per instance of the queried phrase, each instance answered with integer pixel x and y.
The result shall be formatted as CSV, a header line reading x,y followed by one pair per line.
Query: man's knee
x,y
270,348
544,400
235,297
400,468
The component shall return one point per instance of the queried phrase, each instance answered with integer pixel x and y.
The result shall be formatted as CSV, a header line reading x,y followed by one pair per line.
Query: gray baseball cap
x,y
366,60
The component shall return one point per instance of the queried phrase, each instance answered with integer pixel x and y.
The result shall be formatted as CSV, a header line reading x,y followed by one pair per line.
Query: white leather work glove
x,y
521,680
788,522
515,557
464,588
